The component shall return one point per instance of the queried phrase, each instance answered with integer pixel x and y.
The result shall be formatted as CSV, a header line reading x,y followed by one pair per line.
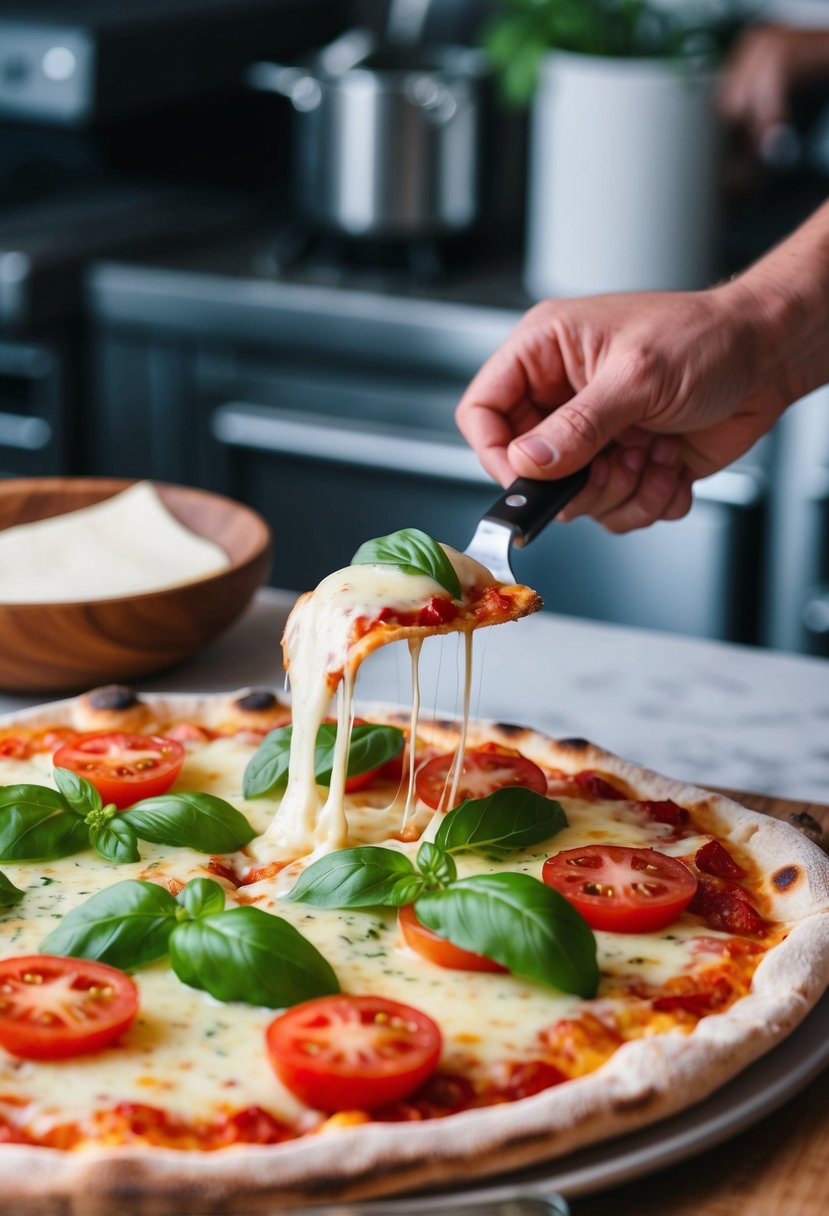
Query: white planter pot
x,y
623,176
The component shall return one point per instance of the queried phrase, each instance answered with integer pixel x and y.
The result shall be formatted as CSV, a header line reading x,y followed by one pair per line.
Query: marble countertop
x,y
704,712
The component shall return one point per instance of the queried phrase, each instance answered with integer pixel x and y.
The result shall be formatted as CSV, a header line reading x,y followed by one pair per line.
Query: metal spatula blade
x,y
523,510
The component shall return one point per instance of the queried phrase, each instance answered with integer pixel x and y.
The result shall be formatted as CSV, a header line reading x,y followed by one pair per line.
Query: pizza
x,y
221,986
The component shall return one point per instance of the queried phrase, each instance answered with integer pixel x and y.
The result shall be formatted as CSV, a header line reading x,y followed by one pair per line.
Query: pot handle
x,y
301,88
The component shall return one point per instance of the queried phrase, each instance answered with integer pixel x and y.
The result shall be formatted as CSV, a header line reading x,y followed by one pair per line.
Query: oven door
x,y
368,455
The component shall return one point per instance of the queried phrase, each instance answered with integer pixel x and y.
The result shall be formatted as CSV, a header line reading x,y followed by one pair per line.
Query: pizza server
x,y
523,510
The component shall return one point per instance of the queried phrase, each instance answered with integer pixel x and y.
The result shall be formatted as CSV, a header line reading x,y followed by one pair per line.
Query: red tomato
x,y
437,949
51,1008
353,1052
625,890
482,774
123,768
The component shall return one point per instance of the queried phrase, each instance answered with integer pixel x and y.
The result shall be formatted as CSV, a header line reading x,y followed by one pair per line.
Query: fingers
x,y
514,389
633,487
570,437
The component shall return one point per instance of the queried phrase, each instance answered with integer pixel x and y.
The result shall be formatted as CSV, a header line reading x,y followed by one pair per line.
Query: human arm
x,y
657,389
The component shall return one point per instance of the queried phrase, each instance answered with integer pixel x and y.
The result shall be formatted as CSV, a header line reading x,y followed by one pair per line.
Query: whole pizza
x,y
251,952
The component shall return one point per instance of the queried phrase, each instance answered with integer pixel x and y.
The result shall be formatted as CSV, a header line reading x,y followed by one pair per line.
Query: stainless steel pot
x,y
386,137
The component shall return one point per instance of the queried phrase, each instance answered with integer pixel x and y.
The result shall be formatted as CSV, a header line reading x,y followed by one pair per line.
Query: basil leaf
x,y
413,552
190,821
126,925
9,893
115,840
352,878
249,955
202,897
371,745
80,794
437,867
521,923
405,891
267,769
511,818
35,823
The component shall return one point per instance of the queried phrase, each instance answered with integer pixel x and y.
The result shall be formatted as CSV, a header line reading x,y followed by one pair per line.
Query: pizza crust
x,y
645,1080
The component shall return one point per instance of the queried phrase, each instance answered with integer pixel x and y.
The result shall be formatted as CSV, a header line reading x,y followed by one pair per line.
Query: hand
x,y
769,63
656,388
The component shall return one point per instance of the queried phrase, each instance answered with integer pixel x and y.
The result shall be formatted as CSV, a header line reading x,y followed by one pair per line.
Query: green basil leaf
x,y
80,794
202,897
405,891
246,954
437,867
35,824
9,893
511,818
190,821
371,745
521,923
126,925
413,552
267,769
352,878
115,840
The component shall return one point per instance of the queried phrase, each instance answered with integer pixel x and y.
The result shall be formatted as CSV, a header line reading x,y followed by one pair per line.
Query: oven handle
x,y
24,433
396,449
420,453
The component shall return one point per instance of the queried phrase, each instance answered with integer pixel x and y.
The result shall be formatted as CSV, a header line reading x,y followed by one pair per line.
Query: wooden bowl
x,y
68,646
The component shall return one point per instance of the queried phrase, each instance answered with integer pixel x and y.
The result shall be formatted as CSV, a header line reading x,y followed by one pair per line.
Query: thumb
x,y
573,434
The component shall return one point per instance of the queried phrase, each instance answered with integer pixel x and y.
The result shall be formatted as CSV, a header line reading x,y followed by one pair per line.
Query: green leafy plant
x,y
517,38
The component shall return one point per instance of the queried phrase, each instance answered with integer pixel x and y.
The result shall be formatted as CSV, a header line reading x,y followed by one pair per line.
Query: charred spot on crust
x,y
256,700
112,696
576,745
510,728
785,877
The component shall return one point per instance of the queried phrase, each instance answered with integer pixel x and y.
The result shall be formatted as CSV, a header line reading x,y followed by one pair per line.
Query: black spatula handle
x,y
527,506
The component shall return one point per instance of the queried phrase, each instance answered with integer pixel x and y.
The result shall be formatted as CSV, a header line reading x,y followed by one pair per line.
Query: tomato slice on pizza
x,y
123,767
353,1052
622,889
54,1008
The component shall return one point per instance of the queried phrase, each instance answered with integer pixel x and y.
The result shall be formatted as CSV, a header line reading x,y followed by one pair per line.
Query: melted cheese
x,y
318,654
199,1058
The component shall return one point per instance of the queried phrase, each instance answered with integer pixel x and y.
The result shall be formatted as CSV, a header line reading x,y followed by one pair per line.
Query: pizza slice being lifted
x,y
404,586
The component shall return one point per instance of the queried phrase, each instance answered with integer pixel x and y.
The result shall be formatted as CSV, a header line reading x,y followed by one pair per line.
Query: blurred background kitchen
x,y
261,246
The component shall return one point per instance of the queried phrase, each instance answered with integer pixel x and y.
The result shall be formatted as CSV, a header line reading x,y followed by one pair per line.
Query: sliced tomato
x,y
484,771
52,1008
353,1052
437,949
123,768
622,889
